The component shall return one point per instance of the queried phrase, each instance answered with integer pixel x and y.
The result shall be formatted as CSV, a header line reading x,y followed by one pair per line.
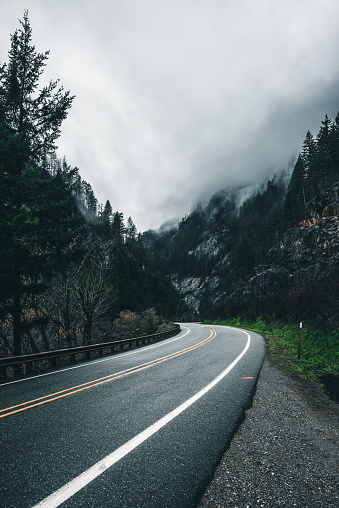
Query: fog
x,y
177,99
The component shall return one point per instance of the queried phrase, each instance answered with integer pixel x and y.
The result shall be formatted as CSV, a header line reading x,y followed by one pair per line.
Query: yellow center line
x,y
108,377
96,382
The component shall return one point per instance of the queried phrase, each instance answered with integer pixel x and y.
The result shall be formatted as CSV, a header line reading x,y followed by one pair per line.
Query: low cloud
x,y
177,99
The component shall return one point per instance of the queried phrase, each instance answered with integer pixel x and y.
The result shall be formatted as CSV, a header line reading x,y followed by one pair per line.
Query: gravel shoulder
x,y
285,453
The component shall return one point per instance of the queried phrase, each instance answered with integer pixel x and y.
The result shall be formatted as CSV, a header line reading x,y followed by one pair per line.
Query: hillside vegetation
x,y
275,253
71,270
319,353
269,261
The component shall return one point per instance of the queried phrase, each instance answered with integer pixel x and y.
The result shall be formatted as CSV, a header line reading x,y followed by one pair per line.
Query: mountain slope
x,y
273,253
217,244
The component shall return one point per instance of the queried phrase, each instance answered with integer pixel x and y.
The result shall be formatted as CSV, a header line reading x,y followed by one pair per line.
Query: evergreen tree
x,y
311,177
334,147
323,155
36,116
104,227
106,214
91,201
294,202
273,225
131,230
118,227
30,124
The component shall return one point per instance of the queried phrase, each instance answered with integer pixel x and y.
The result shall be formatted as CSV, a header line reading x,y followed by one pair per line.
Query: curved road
x,y
145,428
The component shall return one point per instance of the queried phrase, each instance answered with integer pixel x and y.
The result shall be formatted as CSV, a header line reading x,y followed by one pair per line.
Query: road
x,y
144,428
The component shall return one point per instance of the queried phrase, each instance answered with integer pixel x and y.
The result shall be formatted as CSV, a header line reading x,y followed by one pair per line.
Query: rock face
x,y
195,289
309,246
212,256
304,265
197,248
305,254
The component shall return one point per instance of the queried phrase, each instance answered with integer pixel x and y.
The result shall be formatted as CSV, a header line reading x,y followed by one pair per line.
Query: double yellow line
x,y
18,408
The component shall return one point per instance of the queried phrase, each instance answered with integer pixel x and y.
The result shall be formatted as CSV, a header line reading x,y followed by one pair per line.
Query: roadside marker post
x,y
300,334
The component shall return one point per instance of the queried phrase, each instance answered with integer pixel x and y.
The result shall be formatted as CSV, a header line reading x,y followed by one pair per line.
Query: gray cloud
x,y
176,99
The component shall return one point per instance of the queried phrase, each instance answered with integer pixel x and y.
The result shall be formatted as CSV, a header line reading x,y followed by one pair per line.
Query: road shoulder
x,y
286,451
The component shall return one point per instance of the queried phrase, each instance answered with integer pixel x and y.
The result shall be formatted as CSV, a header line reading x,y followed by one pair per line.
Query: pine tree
x,y
106,214
310,177
37,116
90,202
334,147
294,202
118,227
104,227
30,124
323,155
131,230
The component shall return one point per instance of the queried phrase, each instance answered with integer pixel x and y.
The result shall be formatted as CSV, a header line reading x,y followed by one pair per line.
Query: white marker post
x,y
300,334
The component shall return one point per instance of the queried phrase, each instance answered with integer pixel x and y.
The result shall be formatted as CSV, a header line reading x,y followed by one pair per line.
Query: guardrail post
x,y
17,369
72,358
101,352
3,372
28,366
53,362
88,355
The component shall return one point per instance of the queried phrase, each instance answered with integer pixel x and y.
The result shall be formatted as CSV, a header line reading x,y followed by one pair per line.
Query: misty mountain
x,y
272,253
218,243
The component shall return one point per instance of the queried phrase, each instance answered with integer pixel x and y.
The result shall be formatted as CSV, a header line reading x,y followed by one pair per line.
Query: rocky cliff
x,y
303,270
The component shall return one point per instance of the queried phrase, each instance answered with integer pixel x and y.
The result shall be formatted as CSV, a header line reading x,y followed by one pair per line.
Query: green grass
x,y
319,351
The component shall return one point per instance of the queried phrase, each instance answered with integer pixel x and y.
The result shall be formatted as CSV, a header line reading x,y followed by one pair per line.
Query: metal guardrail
x,y
52,356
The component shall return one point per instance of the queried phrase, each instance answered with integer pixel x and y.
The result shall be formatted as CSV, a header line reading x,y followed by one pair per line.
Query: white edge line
x,y
71,488
93,362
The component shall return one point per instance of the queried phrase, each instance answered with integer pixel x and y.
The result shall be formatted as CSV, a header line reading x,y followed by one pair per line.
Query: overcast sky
x,y
176,99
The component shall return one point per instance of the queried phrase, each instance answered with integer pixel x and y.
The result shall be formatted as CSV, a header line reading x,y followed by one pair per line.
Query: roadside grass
x,y
319,351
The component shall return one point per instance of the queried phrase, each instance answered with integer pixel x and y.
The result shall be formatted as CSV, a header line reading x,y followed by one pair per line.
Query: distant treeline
x,y
317,167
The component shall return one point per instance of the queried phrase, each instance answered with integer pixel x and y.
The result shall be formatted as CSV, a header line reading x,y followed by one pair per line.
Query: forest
x,y
72,272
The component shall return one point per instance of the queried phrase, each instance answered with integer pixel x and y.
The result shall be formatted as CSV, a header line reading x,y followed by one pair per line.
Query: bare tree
x,y
94,288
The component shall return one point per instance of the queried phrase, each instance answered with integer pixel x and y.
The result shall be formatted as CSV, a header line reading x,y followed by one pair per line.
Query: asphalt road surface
x,y
144,428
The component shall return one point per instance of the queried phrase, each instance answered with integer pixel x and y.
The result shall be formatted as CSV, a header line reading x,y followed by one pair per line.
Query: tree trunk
x,y
17,310
88,329
17,318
